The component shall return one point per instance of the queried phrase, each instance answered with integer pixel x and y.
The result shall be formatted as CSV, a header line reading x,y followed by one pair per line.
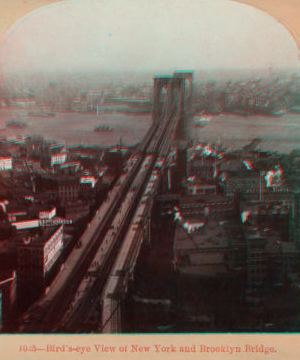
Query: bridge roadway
x,y
46,313
103,259
116,287
86,311
96,276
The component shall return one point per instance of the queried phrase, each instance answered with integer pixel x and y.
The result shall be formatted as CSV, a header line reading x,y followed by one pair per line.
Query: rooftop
x,y
197,181
209,235
58,150
270,237
203,198
39,239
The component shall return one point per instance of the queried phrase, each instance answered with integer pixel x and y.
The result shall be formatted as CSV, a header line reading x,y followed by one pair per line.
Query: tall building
x,y
36,258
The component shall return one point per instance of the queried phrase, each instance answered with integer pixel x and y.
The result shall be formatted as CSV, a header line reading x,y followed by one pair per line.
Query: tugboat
x,y
103,128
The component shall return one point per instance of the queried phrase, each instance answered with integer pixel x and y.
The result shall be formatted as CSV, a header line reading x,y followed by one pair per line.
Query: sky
x,y
118,35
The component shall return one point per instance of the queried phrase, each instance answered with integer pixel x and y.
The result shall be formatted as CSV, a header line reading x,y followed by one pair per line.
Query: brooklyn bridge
x,y
93,282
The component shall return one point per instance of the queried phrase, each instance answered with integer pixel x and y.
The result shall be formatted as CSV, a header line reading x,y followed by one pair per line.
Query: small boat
x,y
41,113
202,120
241,112
103,128
279,112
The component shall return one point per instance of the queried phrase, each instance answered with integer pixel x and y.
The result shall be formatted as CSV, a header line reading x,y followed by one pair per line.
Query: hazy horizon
x,y
154,37
229,74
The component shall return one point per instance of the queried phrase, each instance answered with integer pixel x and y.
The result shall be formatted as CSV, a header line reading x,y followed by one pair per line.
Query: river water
x,y
78,128
279,133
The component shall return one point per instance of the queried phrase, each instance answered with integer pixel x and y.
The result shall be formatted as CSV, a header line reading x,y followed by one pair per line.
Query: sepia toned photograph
x,y
149,171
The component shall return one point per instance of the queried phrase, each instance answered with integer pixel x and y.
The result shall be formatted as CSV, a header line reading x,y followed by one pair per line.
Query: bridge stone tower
x,y
179,88
160,83
187,104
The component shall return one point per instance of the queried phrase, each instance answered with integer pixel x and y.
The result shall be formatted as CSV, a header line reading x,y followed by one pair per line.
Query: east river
x,y
78,128
278,133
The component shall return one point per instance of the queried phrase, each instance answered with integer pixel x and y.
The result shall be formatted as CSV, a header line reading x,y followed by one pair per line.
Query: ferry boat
x,y
103,128
16,123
